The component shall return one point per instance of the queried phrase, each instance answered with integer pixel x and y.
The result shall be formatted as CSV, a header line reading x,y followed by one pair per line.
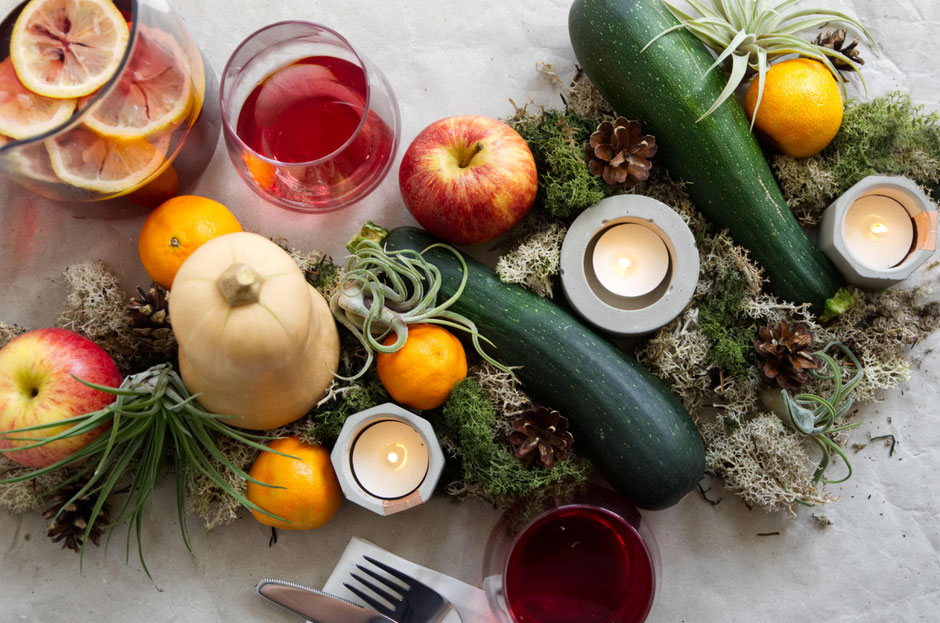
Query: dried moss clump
x,y
318,267
489,467
888,135
557,139
534,257
94,307
762,461
205,499
8,332
27,496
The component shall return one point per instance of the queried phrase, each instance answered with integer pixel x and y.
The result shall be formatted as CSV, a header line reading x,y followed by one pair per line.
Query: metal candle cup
x,y
879,231
387,459
615,248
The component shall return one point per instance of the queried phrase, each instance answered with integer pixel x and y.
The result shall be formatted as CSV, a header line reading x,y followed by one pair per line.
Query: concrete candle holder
x,y
624,315
832,238
343,464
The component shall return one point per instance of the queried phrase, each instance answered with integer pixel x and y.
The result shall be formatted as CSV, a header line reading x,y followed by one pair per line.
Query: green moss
x,y
557,139
888,135
720,319
469,419
326,421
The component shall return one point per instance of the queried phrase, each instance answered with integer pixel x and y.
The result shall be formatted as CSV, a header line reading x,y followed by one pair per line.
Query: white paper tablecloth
x,y
877,562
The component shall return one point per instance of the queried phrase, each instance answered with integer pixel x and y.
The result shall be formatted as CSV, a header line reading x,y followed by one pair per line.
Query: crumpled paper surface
x,y
879,560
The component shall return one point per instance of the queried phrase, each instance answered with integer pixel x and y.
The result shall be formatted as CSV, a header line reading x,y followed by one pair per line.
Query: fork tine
x,y
408,580
378,590
371,601
384,580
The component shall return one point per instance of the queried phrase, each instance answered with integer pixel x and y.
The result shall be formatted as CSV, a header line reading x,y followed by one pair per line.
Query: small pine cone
x,y
541,435
73,517
785,356
836,41
148,315
619,152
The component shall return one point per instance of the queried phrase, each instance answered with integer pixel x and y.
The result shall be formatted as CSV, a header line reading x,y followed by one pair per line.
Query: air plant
x,y
748,36
816,417
152,419
385,291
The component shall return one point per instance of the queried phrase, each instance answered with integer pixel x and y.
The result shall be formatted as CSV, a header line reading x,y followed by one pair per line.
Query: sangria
x,y
309,123
586,558
102,99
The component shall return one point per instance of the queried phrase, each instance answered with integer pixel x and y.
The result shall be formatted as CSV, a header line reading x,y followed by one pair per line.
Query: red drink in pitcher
x,y
579,564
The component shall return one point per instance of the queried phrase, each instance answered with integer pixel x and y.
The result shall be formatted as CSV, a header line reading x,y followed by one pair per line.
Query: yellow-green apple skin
x,y
37,387
468,179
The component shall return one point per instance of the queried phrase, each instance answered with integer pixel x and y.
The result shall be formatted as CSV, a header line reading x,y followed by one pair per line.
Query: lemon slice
x,y
23,114
93,162
154,92
67,48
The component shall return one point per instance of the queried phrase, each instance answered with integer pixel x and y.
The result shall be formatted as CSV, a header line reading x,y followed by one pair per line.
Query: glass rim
x,y
103,91
224,109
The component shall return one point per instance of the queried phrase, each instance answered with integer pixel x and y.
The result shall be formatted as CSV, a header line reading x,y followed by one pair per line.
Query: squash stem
x,y
240,284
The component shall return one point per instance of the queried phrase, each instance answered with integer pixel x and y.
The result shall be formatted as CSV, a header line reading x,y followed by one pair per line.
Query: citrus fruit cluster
x,y
64,55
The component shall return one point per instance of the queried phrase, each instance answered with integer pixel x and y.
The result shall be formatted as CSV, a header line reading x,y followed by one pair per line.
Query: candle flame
x,y
624,262
879,228
395,456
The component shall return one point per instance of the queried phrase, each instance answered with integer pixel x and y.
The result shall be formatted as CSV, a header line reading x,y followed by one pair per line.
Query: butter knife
x,y
316,606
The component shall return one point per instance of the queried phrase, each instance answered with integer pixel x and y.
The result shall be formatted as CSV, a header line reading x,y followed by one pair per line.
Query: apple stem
x,y
477,148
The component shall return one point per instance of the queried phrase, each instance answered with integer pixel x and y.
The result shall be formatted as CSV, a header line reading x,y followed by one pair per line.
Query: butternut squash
x,y
256,341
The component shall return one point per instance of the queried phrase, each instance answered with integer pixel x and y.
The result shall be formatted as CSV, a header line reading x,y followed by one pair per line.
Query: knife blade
x,y
315,605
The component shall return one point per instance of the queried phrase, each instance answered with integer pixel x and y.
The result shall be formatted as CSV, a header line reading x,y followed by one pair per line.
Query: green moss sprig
x,y
557,140
470,420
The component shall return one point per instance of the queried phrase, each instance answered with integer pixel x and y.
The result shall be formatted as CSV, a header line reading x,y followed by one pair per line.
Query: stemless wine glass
x,y
115,143
309,123
584,556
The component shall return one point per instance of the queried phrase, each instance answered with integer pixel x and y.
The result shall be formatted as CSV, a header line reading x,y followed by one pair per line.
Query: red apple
x,y
468,179
37,387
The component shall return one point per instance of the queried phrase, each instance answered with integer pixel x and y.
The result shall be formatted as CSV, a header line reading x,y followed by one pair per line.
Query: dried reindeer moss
x,y
94,307
534,258
888,135
762,461
8,332
27,496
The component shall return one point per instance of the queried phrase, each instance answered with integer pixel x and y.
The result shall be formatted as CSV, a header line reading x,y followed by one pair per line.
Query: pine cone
x,y
785,356
836,41
620,152
148,315
69,527
541,434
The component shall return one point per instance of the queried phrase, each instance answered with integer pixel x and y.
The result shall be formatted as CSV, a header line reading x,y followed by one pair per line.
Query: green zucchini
x,y
624,419
667,89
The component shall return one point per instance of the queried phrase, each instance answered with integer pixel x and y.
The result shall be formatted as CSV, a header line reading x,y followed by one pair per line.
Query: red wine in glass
x,y
315,112
579,564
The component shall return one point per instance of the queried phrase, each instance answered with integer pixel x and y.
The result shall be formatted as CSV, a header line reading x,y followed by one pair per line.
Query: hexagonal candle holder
x,y
629,264
387,459
879,231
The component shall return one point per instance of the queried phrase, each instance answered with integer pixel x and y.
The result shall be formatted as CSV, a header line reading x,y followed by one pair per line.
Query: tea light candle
x,y
878,231
387,459
390,459
630,260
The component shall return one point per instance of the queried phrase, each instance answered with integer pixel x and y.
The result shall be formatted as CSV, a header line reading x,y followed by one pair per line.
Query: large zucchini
x,y
624,419
666,88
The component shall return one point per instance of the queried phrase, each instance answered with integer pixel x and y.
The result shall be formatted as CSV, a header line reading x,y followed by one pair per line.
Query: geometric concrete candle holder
x,y
345,448
603,307
892,191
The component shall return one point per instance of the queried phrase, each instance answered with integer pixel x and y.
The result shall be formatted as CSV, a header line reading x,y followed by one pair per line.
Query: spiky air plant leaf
x,y
816,417
748,35
153,418
385,291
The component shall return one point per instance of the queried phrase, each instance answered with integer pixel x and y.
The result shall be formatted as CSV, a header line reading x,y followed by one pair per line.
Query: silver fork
x,y
413,603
